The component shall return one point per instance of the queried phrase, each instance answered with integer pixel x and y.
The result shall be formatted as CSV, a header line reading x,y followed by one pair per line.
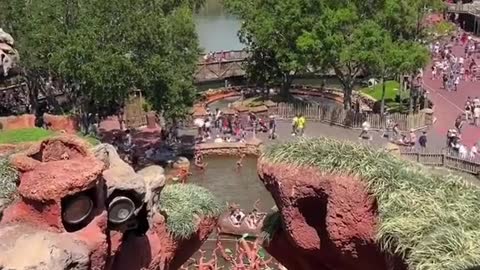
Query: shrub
x,y
431,221
184,205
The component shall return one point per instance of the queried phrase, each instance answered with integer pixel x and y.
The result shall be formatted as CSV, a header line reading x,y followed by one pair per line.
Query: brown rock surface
x,y
119,175
26,248
328,221
158,249
56,168
33,236
17,122
50,171
69,124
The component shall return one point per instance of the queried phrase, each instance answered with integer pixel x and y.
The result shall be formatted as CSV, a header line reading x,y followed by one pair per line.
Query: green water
x,y
216,29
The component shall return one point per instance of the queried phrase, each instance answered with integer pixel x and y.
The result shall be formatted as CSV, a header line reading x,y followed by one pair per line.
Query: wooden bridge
x,y
220,66
469,8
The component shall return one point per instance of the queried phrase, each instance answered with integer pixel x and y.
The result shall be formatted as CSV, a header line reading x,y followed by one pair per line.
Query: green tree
x,y
416,57
344,42
270,31
97,51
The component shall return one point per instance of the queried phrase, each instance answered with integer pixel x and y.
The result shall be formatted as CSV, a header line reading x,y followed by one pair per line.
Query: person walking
x,y
365,129
272,126
294,125
422,141
476,116
459,122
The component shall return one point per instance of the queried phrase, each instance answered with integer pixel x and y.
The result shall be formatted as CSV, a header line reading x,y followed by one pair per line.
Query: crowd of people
x,y
233,127
451,69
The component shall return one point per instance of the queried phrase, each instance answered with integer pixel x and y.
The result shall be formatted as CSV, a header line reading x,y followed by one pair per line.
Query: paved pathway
x,y
448,105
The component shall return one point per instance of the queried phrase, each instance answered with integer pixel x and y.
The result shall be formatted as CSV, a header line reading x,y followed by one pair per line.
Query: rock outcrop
x,y
26,247
328,220
8,55
82,209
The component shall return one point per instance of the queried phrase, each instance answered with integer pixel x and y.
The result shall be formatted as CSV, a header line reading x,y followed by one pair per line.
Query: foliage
x,y
184,204
270,30
441,29
345,42
392,88
293,36
404,18
431,221
8,181
25,135
97,51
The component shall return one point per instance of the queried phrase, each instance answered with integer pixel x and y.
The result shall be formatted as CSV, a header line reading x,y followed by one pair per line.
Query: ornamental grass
x,y
184,205
8,181
431,221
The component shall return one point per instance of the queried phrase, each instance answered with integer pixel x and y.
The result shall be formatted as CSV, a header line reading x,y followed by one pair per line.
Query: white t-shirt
x,y
476,102
463,151
366,126
476,112
473,152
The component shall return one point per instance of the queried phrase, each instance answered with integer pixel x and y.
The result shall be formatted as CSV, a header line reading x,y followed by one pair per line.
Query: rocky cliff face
x,y
328,220
82,209
8,55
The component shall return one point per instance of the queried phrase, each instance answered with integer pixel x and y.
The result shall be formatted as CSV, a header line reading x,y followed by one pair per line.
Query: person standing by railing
x,y
473,151
422,141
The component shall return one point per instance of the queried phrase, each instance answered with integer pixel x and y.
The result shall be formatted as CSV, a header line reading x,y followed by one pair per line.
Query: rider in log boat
x,y
240,161
198,161
235,222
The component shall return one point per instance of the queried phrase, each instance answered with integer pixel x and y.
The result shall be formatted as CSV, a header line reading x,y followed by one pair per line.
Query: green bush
x,y
8,180
431,221
184,204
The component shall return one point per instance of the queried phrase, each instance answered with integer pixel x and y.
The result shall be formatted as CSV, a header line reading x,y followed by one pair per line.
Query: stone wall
x,y
230,149
17,122
69,124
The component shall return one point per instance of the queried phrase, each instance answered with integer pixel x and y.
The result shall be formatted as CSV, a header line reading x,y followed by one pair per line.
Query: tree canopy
x,y
346,37
100,50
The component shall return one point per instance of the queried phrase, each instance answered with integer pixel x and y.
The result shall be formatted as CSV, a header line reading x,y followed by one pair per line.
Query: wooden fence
x,y
339,116
443,159
135,115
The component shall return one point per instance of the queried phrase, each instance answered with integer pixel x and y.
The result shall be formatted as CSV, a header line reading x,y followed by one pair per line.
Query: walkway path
x,y
448,105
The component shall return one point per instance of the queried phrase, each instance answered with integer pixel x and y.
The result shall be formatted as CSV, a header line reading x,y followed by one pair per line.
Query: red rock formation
x,y
17,122
50,172
158,249
328,220
57,169
69,124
